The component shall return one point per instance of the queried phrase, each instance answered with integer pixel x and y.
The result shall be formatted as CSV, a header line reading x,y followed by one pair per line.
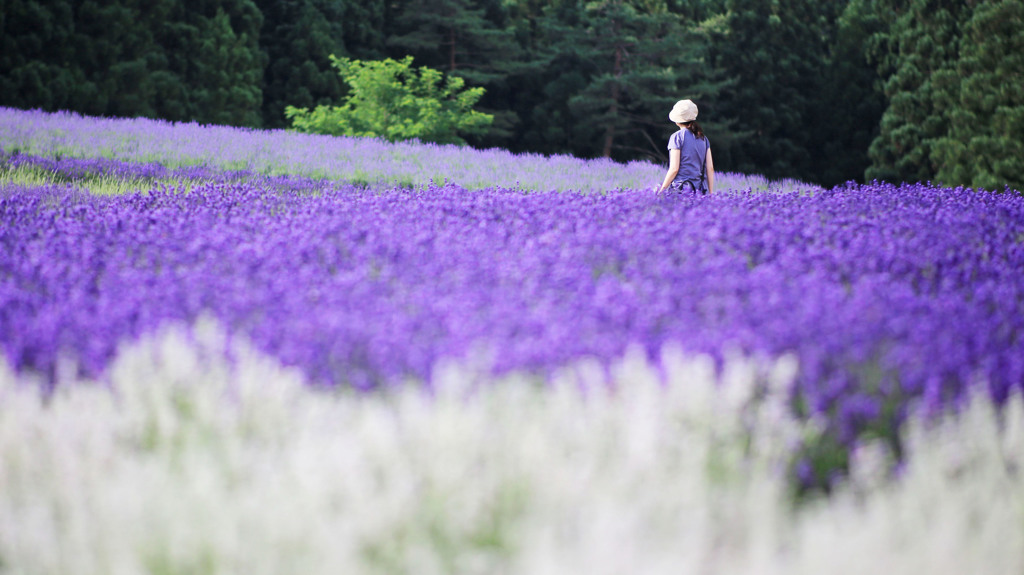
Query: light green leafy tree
x,y
390,99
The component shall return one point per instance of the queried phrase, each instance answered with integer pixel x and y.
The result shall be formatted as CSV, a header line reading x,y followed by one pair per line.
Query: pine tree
x,y
917,55
777,52
363,24
985,98
844,119
174,59
298,36
623,63
38,67
549,78
116,52
454,36
471,39
220,62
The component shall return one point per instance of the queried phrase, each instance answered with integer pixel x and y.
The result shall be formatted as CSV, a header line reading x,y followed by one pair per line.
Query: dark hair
x,y
694,127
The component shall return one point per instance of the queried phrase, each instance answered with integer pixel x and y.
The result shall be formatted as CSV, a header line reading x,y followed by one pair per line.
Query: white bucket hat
x,y
684,111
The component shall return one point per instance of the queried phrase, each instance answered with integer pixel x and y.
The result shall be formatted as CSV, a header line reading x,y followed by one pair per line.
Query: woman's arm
x,y
709,164
673,169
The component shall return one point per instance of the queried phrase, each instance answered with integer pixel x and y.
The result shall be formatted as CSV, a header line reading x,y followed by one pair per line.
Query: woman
x,y
690,168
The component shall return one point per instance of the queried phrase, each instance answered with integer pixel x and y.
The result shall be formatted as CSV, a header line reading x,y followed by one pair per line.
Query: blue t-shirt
x,y
692,154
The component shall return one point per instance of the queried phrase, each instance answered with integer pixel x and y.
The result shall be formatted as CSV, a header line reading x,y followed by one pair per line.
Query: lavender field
x,y
365,268
358,161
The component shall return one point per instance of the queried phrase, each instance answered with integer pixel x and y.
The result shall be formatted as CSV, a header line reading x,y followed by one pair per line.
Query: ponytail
x,y
695,128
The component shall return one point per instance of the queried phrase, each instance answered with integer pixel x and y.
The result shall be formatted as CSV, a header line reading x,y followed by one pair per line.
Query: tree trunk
x,y
613,110
451,51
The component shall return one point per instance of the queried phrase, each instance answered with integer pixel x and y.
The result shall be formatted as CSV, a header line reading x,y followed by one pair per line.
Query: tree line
x,y
903,90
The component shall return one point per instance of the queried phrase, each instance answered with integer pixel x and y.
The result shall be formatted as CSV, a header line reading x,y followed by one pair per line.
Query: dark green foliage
x,y
362,24
637,59
611,70
37,56
917,55
778,53
984,96
850,102
456,37
214,64
471,39
954,82
112,53
527,117
819,91
298,36
174,59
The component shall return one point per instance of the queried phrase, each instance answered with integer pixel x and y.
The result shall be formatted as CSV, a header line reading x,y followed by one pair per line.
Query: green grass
x,y
32,176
